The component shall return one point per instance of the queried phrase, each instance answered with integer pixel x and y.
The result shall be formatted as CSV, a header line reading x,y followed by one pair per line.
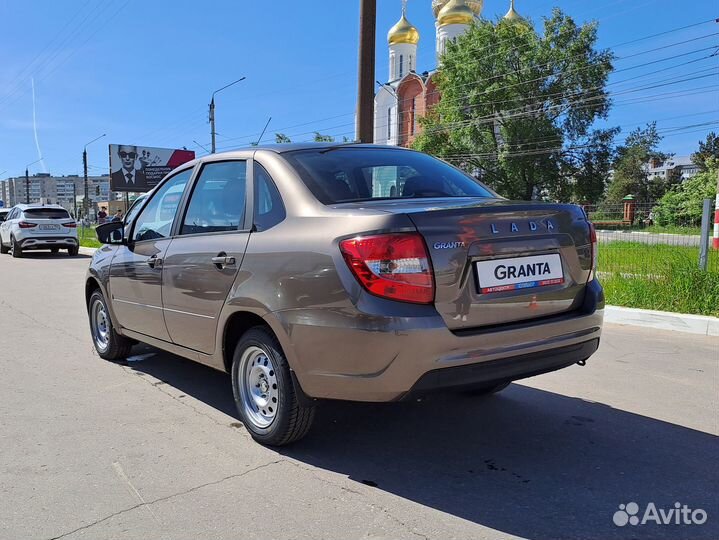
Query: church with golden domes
x,y
406,96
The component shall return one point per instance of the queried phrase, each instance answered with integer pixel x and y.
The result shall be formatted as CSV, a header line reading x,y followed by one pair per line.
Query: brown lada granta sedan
x,y
353,272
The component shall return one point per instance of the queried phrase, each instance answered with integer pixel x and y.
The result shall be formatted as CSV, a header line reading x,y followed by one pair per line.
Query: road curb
x,y
663,320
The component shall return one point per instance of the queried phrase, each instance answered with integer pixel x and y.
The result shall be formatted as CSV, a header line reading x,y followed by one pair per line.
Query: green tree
x,y
281,138
631,176
323,138
683,204
517,108
707,149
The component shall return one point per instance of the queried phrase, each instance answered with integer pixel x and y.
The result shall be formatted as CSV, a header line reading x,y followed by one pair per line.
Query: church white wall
x,y
446,33
402,55
385,117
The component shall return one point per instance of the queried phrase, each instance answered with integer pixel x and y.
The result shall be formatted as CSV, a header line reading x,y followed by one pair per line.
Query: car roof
x,y
241,153
23,206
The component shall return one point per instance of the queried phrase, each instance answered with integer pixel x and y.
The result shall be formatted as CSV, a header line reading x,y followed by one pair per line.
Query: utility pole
x,y
74,199
212,123
27,180
365,86
86,199
715,239
212,111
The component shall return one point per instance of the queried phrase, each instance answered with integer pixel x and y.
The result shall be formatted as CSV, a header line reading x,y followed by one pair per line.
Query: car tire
x,y
16,250
109,344
486,390
73,251
265,394
4,250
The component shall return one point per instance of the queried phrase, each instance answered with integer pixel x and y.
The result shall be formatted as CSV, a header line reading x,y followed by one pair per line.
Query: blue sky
x,y
143,72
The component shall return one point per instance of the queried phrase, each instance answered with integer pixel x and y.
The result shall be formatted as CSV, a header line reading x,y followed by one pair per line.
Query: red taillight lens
x,y
71,225
26,225
595,250
394,266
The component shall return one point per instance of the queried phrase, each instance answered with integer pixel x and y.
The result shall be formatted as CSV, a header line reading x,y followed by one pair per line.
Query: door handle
x,y
222,260
154,261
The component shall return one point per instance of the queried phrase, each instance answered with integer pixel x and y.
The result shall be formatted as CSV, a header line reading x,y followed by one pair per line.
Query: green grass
x,y
661,277
672,229
87,237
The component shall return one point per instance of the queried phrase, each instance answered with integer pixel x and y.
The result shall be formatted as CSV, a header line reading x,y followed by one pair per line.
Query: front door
x,y
203,258
136,270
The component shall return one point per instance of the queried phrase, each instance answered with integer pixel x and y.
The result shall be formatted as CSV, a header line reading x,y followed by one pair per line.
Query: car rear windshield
x,y
347,174
46,213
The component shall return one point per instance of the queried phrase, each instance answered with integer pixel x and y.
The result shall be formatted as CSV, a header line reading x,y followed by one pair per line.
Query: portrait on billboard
x,y
140,168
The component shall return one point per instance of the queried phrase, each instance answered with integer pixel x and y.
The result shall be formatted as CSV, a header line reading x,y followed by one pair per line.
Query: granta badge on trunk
x,y
448,245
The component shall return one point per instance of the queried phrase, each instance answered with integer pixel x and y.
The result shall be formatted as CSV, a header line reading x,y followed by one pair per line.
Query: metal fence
x,y
633,245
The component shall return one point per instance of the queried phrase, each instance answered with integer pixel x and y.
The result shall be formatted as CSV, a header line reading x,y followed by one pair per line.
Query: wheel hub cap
x,y
259,391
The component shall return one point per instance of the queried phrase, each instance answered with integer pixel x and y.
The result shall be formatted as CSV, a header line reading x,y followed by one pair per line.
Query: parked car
x,y
38,226
3,213
350,272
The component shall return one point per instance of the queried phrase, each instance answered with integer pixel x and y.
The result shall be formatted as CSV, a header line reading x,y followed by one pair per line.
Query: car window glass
x,y
269,210
134,209
346,174
155,220
217,203
46,213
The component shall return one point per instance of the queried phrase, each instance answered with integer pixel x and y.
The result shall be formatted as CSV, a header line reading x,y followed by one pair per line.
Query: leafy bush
x,y
683,204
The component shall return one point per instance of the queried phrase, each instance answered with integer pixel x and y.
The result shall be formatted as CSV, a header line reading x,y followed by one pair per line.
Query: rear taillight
x,y
394,266
26,225
595,250
70,225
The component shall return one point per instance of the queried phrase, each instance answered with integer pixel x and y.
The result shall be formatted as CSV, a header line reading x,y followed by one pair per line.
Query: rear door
x,y
203,258
136,270
498,261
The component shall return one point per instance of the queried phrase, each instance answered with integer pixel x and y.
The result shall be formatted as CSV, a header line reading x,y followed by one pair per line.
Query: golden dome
x,y
474,5
455,12
403,32
512,14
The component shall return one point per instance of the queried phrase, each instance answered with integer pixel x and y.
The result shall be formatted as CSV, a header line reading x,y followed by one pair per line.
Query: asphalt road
x,y
152,448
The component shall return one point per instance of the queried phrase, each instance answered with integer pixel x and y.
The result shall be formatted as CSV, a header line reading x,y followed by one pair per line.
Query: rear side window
x,y
46,213
217,203
346,174
269,210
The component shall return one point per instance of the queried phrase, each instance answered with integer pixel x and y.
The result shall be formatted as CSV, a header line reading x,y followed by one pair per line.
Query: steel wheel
x,y
259,390
100,325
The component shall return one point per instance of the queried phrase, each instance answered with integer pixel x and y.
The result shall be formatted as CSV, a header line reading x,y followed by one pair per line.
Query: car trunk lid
x,y
498,262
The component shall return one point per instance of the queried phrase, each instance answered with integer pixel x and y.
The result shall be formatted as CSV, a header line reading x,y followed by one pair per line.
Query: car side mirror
x,y
111,233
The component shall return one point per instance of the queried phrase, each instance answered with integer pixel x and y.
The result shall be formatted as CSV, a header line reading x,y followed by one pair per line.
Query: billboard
x,y
140,168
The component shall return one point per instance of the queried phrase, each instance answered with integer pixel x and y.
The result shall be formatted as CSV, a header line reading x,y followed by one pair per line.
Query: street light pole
x,y
27,180
212,112
86,200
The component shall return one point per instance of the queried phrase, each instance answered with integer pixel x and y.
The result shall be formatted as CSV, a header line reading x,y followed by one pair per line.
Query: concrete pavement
x,y
152,447
649,238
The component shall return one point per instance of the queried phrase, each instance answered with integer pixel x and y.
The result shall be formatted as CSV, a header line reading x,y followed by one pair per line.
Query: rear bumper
x,y
47,242
348,355
507,369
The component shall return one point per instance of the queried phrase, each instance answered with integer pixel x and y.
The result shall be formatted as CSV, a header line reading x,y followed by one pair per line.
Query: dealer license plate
x,y
519,273
49,227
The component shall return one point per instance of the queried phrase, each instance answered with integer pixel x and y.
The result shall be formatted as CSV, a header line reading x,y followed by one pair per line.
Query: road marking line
x,y
120,473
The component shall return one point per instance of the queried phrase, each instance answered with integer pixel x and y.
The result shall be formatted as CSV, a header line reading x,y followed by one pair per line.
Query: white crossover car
x,y
38,226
